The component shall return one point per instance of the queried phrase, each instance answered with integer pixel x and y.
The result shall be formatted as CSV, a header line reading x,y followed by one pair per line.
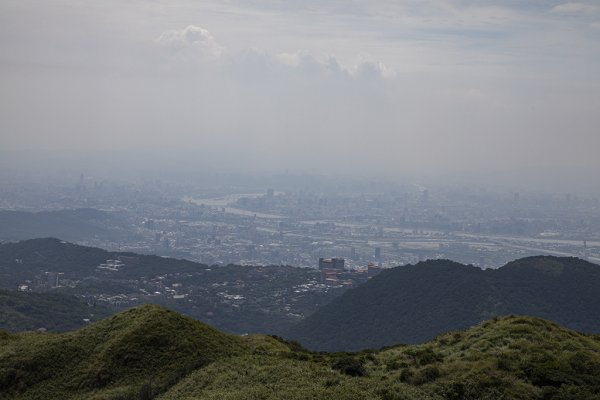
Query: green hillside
x,y
506,358
115,358
151,352
414,303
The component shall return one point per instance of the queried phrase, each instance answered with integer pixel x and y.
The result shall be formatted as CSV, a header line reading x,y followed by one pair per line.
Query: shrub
x,y
505,362
392,365
350,366
406,375
428,374
424,356
145,392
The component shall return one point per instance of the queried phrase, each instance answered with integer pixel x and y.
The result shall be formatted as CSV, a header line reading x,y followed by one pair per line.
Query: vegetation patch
x,y
153,353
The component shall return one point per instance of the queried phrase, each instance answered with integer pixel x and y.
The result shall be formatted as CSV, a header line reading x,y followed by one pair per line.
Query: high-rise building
x,y
331,263
53,279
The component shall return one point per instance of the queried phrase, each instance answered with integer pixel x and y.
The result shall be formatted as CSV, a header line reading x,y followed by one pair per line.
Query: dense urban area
x,y
297,220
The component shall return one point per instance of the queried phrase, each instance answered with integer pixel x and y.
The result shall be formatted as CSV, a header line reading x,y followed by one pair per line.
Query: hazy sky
x,y
498,90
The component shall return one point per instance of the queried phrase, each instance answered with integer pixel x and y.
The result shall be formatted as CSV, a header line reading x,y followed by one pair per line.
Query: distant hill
x,y
414,303
73,225
20,261
150,352
235,299
23,311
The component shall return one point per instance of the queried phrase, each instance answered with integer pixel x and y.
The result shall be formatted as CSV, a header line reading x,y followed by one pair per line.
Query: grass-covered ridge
x,y
505,358
114,358
151,352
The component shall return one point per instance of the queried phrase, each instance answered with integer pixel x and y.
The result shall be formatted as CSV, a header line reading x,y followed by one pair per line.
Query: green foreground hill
x,y
110,359
414,303
151,352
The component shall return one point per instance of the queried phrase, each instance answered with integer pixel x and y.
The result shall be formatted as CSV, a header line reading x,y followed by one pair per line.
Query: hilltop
x,y
111,358
151,352
20,261
414,303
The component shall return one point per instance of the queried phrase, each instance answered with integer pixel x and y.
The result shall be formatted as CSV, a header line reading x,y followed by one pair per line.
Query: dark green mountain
x,y
414,303
150,352
21,261
23,311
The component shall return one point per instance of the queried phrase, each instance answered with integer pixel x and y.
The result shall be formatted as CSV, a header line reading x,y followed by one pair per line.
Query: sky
x,y
505,92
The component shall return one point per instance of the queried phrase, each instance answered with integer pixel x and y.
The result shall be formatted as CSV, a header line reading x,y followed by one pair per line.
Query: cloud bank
x,y
444,89
192,38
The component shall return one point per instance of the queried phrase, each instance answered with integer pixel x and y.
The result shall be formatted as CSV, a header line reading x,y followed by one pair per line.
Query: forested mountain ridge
x,y
19,260
414,303
408,304
151,352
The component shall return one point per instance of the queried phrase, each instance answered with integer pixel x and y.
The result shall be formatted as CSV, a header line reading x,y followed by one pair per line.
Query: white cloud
x,y
372,69
305,61
472,78
192,38
329,64
575,8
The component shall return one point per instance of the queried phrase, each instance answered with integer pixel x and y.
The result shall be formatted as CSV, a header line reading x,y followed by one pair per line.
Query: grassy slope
x,y
178,358
515,357
113,358
273,377
511,358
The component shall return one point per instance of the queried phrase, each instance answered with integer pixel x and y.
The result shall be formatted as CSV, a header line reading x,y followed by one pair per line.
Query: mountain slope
x,y
21,261
506,358
151,352
414,303
512,357
114,357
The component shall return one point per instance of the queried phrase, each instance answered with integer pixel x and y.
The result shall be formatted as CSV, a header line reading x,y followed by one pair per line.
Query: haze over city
x,y
286,200
427,91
